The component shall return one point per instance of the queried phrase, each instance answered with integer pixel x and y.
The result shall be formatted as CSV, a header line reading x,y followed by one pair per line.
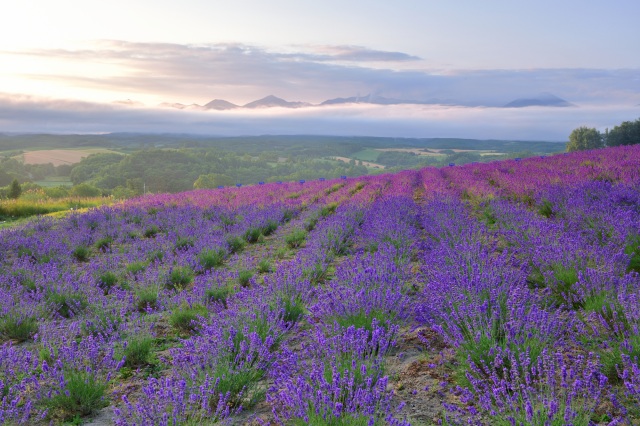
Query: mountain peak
x,y
542,99
220,104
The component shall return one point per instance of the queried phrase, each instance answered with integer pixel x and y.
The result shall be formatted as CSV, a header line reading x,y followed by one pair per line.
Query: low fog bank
x,y
30,115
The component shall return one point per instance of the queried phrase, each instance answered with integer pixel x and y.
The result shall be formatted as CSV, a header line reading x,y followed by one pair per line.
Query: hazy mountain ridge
x,y
271,101
543,99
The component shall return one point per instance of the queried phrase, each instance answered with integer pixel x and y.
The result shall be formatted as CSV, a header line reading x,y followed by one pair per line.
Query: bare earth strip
x,y
59,156
364,163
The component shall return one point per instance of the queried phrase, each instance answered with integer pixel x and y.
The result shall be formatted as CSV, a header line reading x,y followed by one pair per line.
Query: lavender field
x,y
503,293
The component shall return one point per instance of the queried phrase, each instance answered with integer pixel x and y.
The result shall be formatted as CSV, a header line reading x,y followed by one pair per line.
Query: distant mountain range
x,y
543,99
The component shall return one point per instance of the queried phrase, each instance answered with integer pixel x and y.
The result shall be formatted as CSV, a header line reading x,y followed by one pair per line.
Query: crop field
x,y
497,294
58,157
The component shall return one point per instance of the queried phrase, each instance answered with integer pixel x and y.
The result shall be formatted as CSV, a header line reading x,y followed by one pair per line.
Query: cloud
x,y
241,73
29,114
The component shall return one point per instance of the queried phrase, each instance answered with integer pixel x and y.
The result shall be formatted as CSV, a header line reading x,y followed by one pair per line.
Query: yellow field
x,y
60,156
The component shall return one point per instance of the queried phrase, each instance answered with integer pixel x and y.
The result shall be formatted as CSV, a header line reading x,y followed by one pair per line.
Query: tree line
x,y
626,133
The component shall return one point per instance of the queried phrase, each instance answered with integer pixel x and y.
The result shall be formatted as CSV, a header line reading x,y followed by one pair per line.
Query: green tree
x,y
85,190
212,180
15,189
627,133
584,138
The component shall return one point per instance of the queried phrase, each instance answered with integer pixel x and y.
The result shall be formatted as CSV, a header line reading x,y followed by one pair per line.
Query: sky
x,y
73,66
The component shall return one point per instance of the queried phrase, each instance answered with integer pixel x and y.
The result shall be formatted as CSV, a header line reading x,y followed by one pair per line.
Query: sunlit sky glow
x,y
82,59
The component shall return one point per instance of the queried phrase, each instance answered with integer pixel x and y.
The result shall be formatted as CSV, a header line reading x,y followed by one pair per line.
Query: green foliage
x,y
135,268
296,238
91,166
185,317
632,249
103,243
365,318
252,235
560,281
219,294
183,243
81,253
151,231
322,419
328,209
14,327
103,323
235,244
147,298
584,138
546,209
293,309
82,395
67,304
85,190
264,266
137,352
155,256
15,190
212,180
179,277
211,258
26,208
626,133
244,277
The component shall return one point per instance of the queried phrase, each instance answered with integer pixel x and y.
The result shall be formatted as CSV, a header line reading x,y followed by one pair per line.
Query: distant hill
x,y
273,101
543,99
381,100
178,105
220,104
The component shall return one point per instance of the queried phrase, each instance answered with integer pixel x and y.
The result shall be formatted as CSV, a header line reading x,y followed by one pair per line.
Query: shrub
x,y
151,231
179,277
82,395
14,327
252,235
264,266
296,238
81,253
106,280
155,256
135,268
211,258
185,317
328,209
236,244
104,323
293,309
219,294
103,243
183,243
632,249
137,352
269,228
244,277
147,299
67,305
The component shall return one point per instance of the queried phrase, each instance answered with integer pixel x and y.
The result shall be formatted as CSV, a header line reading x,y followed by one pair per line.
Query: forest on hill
x,y
135,164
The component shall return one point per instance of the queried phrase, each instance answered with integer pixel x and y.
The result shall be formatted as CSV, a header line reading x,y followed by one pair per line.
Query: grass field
x,y
53,181
59,156
11,210
368,154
